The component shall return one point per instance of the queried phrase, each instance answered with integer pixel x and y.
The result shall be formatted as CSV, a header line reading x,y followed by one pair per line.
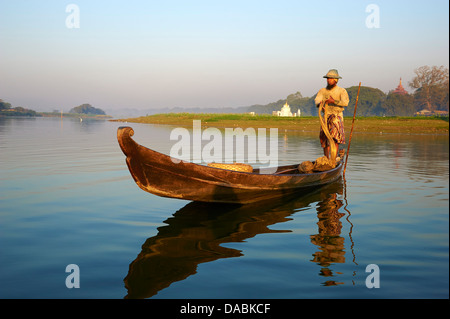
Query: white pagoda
x,y
286,111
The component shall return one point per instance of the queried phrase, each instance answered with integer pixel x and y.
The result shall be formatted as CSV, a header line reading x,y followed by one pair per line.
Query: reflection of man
x,y
336,99
328,240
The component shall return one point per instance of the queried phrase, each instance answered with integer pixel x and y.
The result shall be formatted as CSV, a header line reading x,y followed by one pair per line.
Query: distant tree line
x,y
6,109
431,85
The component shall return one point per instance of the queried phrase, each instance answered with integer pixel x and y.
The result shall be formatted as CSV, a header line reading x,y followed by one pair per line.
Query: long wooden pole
x,y
351,132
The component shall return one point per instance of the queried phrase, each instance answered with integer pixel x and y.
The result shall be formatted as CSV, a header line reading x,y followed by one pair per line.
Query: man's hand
x,y
330,100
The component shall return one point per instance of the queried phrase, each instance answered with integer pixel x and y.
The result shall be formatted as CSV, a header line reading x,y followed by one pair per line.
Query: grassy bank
x,y
401,125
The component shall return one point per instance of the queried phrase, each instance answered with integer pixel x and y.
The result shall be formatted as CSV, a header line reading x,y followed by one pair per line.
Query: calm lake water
x,y
66,197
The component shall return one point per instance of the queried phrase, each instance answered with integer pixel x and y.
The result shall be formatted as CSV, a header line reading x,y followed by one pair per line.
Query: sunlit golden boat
x,y
162,175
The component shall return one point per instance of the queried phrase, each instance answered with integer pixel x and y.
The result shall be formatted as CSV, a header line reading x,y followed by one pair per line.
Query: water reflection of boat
x,y
195,235
165,176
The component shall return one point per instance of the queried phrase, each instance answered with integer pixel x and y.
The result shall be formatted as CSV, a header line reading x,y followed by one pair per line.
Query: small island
x,y
81,111
87,109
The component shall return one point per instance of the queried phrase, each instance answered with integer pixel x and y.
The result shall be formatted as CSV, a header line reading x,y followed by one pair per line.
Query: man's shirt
x,y
340,97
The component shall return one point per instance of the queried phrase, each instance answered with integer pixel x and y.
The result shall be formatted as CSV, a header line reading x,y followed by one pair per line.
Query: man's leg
x,y
337,149
326,151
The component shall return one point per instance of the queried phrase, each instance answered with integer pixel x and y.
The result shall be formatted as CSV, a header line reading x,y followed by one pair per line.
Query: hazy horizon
x,y
152,54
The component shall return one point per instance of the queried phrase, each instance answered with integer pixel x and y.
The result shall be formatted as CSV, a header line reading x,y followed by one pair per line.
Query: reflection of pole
x,y
351,227
351,132
348,219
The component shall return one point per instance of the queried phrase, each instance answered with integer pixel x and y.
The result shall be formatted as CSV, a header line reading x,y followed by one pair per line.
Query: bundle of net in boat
x,y
240,167
319,165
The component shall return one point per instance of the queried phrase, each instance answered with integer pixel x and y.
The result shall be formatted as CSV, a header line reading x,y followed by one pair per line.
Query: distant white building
x,y
286,111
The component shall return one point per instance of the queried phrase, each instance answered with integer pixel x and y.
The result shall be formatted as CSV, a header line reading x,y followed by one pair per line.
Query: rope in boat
x,y
323,123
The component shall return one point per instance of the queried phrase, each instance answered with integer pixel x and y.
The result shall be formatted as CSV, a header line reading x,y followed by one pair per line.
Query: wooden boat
x,y
162,175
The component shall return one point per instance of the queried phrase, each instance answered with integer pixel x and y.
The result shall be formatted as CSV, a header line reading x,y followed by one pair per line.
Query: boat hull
x,y
165,176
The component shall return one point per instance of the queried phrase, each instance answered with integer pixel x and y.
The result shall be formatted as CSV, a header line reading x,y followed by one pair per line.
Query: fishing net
x,y
319,165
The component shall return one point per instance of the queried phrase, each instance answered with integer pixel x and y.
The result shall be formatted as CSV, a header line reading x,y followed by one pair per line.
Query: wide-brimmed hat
x,y
333,74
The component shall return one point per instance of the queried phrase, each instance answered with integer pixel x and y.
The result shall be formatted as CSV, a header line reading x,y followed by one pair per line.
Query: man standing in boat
x,y
336,98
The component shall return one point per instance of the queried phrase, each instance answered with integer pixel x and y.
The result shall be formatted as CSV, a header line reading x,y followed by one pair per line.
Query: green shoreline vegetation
x,y
54,114
399,125
75,115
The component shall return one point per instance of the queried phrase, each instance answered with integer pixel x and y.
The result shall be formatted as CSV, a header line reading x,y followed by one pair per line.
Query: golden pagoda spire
x,y
400,89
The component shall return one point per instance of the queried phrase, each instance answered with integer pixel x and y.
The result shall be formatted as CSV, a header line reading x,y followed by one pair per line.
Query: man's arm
x,y
344,100
319,98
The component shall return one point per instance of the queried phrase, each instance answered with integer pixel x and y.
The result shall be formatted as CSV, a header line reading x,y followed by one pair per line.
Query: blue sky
x,y
152,54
